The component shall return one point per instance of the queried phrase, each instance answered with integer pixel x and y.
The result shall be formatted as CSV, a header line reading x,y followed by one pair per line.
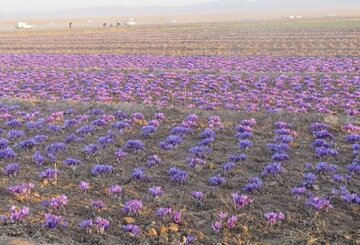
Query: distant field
x,y
307,37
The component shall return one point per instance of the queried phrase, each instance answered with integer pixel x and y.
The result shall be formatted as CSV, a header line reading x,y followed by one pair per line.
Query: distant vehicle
x,y
292,16
24,25
170,21
131,22
298,16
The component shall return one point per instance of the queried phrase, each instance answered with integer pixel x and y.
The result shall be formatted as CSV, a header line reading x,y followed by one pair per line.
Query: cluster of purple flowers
x,y
272,169
132,229
53,221
98,205
148,130
156,191
171,142
58,202
323,148
215,123
134,145
102,170
15,134
100,224
198,196
319,204
7,153
11,169
22,190
115,191
298,191
241,200
49,174
178,133
140,175
178,175
217,180
221,222
17,214
71,162
163,212
253,185
273,217
133,207
349,197
55,149
84,186
153,161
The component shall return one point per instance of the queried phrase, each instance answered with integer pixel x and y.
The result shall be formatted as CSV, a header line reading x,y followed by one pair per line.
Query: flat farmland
x,y
228,133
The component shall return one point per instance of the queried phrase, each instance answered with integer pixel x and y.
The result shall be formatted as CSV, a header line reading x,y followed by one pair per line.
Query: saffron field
x,y
247,134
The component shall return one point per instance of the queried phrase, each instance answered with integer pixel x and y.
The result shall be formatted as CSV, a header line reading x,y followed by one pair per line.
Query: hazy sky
x,y
9,6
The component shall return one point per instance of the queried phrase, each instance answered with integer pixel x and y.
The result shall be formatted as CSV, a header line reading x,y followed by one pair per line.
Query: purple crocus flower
x,y
49,174
162,212
101,224
120,154
232,222
7,153
238,158
156,191
71,162
254,185
227,167
171,142
309,180
323,168
98,205
135,145
11,169
102,170
91,149
217,180
148,130
84,186
177,217
153,161
115,191
22,190
241,201
59,202
26,144
133,207
273,217
133,230
280,157
86,224
217,226
181,131
140,175
52,221
319,203
298,191
272,169
3,143
196,162
17,215
15,134
245,144
198,196
178,175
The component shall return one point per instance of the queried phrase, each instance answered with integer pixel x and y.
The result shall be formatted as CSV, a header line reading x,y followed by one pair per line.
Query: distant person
x,y
118,24
70,25
104,25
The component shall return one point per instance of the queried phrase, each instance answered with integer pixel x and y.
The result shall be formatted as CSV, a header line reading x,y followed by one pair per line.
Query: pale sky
x,y
10,6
